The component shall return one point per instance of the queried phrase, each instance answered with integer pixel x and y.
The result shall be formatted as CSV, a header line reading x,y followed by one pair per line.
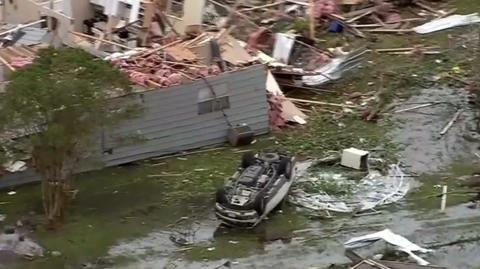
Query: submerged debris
x,y
20,245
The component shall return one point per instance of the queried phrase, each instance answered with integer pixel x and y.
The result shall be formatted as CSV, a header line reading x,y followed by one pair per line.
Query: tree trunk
x,y
55,191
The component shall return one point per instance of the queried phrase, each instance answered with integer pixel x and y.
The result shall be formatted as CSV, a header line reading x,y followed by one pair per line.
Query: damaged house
x,y
189,103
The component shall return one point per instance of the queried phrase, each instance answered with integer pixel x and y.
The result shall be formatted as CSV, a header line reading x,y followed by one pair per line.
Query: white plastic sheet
x,y
373,190
447,22
283,47
402,243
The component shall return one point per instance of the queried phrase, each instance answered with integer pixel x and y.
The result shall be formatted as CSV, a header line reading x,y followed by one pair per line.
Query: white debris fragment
x,y
399,241
447,22
17,166
355,158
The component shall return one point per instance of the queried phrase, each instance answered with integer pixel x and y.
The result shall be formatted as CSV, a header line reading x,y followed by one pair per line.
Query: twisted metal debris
x,y
371,191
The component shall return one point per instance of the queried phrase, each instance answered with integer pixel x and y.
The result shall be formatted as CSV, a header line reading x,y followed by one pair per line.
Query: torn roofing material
x,y
388,236
32,36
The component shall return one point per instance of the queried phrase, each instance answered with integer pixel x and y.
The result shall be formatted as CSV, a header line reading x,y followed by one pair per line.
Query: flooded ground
x,y
124,217
418,131
294,240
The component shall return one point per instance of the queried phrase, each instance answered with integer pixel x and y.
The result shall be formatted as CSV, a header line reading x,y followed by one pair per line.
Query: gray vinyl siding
x,y
171,123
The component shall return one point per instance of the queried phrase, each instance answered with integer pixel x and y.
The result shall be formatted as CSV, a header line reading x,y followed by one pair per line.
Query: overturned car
x,y
260,185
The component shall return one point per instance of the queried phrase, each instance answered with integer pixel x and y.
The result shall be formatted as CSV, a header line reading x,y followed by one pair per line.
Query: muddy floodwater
x,y
294,239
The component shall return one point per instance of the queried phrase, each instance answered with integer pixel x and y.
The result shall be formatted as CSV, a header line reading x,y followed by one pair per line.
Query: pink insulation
x,y
19,61
324,7
150,70
275,112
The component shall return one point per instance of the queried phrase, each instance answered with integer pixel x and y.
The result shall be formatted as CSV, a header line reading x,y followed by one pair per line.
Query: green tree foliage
x,y
56,106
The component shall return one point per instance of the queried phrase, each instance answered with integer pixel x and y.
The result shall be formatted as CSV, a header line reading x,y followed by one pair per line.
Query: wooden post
x,y
312,19
444,198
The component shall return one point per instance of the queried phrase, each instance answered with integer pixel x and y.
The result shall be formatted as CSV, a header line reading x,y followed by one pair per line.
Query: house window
x,y
209,101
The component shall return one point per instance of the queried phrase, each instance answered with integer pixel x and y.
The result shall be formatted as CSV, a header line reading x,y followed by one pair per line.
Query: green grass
x,y
426,197
130,201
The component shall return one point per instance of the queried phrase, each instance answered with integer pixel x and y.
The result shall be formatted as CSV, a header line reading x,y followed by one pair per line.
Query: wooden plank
x,y
312,21
101,40
14,52
26,52
180,53
7,64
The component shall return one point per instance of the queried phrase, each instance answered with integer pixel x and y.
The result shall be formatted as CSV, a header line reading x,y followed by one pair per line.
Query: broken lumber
x,y
185,64
243,16
152,51
21,26
101,40
264,6
451,122
5,62
361,16
403,49
320,103
415,107
311,11
426,7
382,30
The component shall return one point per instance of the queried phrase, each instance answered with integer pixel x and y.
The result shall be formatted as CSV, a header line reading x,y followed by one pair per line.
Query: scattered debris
x,y
318,189
444,198
334,69
15,166
20,245
448,22
451,122
398,241
55,253
355,158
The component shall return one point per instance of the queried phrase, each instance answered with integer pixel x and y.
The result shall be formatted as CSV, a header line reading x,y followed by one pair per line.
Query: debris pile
x,y
322,189
12,242
153,70
275,111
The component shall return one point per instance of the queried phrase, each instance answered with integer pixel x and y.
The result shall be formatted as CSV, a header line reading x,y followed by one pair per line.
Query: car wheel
x,y
270,157
259,205
286,167
221,196
248,159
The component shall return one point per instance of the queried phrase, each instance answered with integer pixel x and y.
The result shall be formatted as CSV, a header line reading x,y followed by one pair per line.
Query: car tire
x,y
286,167
248,159
270,157
221,196
259,205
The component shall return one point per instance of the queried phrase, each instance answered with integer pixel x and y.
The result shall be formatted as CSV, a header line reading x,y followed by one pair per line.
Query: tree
x,y
59,103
